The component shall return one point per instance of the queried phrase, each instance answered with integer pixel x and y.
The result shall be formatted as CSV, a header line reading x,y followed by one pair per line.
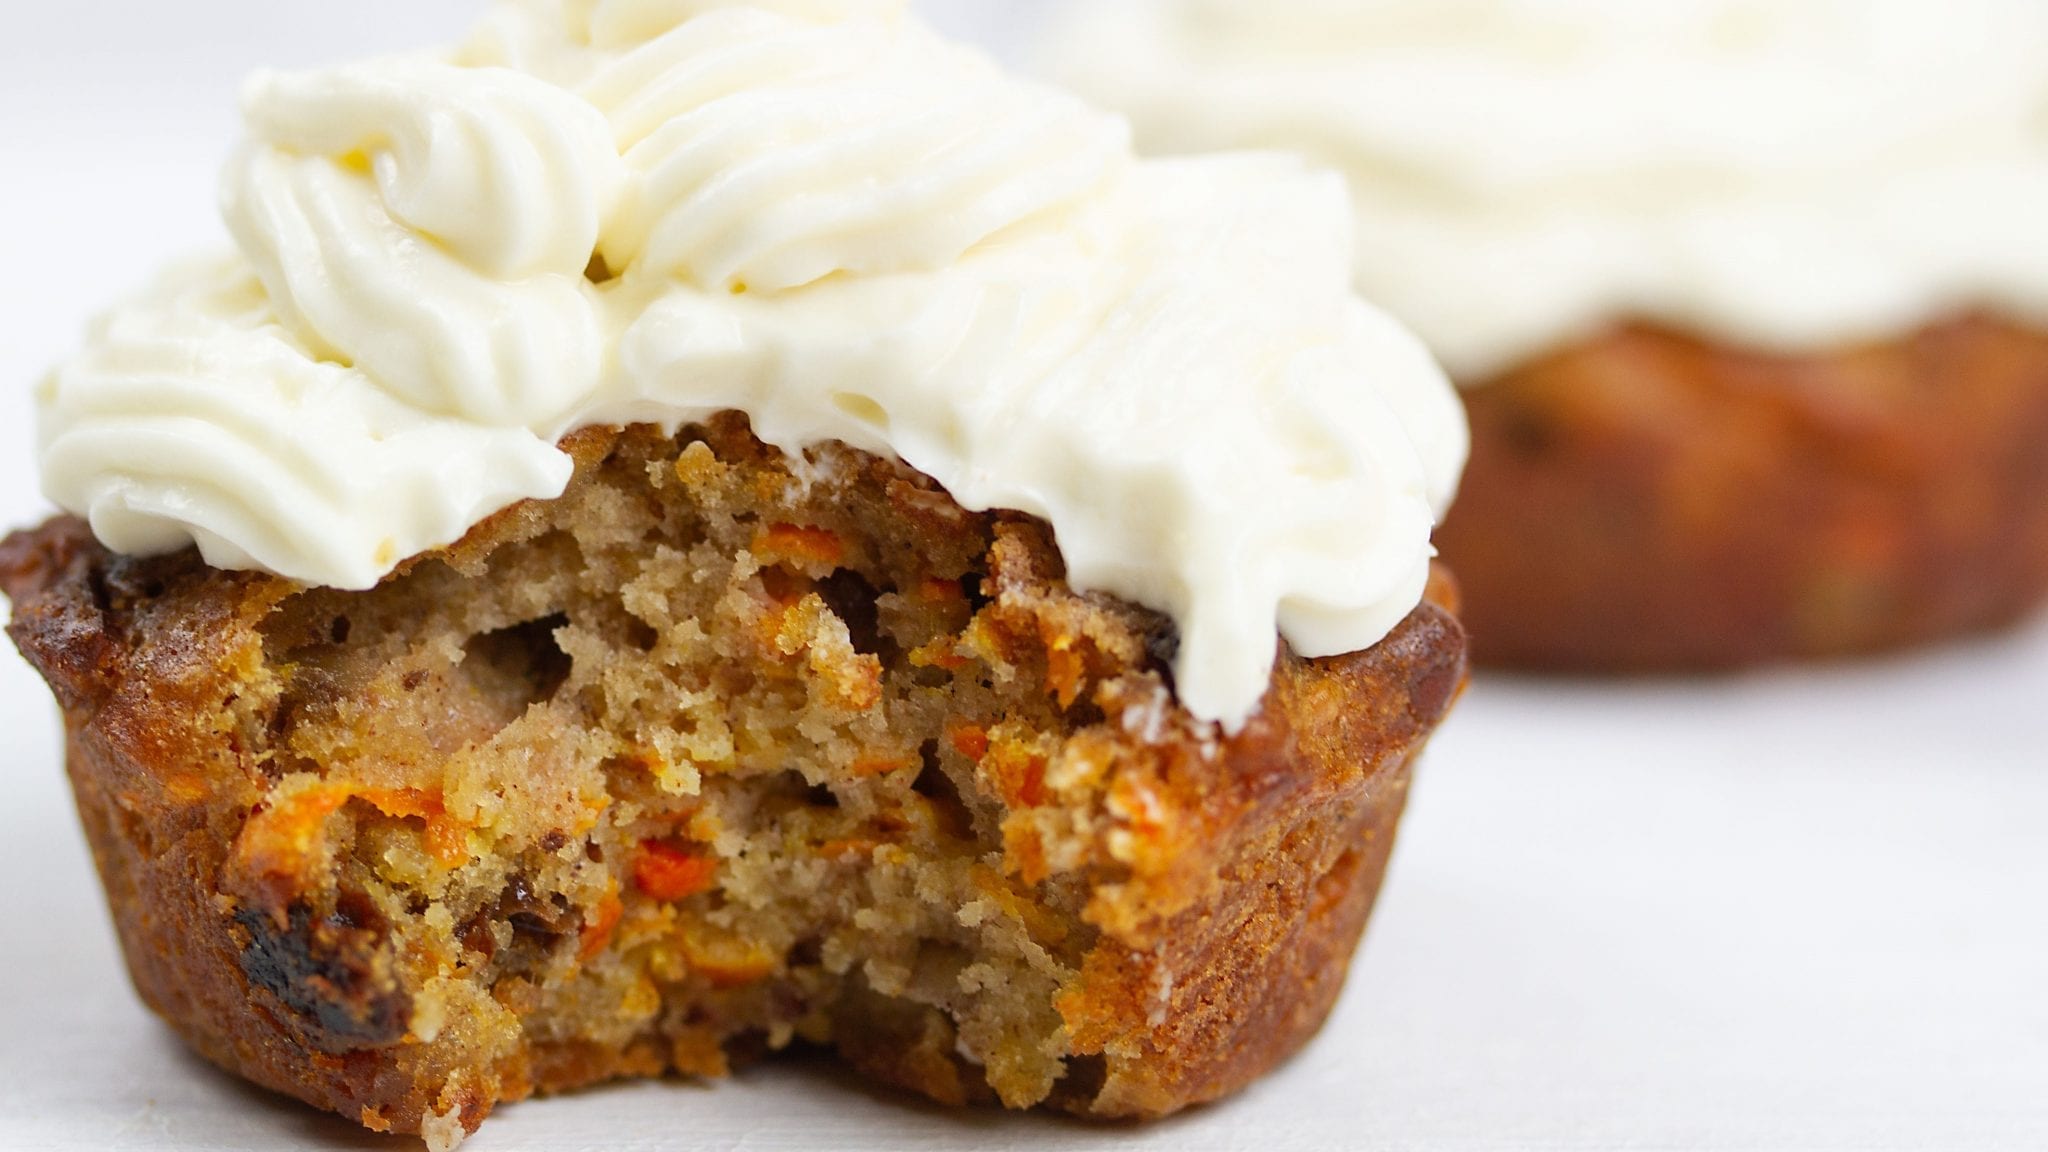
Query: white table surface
x,y
1800,911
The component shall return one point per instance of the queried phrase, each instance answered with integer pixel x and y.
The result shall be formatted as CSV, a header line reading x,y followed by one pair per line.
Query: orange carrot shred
x,y
597,931
970,740
668,873
820,546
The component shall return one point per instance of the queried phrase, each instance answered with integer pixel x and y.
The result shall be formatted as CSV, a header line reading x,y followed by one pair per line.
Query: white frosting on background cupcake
x,y
1787,174
819,213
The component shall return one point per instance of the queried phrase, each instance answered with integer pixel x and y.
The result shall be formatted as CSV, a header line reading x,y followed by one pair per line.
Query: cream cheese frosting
x,y
818,213
1786,174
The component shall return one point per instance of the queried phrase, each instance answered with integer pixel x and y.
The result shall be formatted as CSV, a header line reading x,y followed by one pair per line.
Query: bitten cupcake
x,y
1748,302
683,530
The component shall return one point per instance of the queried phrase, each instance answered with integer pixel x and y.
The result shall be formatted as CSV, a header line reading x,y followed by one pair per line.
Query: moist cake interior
x,y
719,756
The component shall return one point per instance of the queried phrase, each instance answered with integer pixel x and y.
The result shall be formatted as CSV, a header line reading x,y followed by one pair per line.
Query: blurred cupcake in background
x,y
1748,298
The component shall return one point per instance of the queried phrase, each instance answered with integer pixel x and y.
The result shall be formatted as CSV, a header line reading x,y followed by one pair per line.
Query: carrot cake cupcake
x,y
1748,301
681,530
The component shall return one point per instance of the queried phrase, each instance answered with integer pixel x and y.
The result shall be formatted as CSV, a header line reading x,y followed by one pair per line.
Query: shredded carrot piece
x,y
447,838
402,803
939,654
970,740
447,841
819,546
1024,851
1019,774
281,842
597,931
877,765
1032,791
668,873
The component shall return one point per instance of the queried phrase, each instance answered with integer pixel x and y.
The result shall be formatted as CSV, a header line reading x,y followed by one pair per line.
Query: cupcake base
x,y
1651,503
711,757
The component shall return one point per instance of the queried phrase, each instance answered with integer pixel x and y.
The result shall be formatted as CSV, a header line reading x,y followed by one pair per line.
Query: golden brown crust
x,y
1650,502
1205,1002
1209,952
161,810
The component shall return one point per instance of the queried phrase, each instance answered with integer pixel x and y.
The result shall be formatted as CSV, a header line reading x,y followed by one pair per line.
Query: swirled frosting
x,y
818,213
1792,175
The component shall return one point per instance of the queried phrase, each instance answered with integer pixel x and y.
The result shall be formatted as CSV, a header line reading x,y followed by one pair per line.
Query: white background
x,y
1801,911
